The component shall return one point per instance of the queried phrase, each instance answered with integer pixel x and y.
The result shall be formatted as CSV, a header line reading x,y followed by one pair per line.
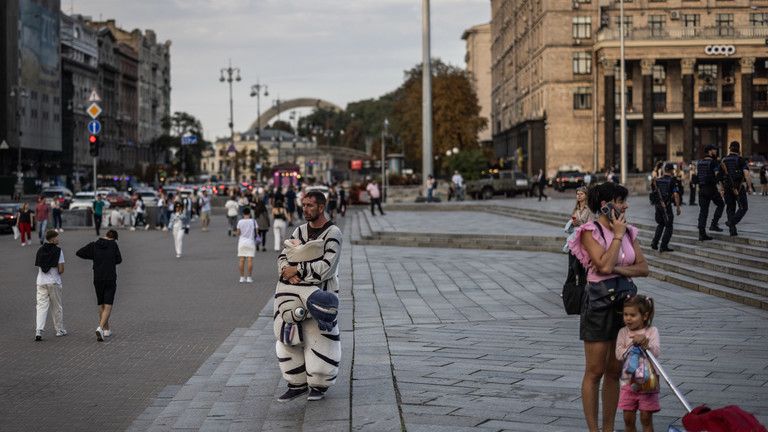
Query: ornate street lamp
x,y
230,72
256,92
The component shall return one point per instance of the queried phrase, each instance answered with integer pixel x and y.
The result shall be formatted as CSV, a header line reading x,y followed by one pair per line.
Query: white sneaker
x,y
107,333
178,255
99,334
249,279
242,279
165,229
133,228
61,333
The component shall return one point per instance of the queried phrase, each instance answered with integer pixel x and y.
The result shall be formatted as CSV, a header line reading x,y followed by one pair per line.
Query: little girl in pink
x,y
638,332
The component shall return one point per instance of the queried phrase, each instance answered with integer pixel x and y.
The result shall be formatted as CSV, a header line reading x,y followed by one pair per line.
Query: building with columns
x,y
478,59
695,74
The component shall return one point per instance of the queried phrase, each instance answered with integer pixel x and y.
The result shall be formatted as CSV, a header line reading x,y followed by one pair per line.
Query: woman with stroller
x,y
609,249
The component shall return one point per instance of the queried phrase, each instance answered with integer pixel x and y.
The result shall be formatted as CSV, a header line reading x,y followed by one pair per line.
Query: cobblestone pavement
x,y
170,316
460,340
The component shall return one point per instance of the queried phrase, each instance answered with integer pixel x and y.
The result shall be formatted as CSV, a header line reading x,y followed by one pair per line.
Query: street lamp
x,y
256,91
384,133
19,92
623,120
230,71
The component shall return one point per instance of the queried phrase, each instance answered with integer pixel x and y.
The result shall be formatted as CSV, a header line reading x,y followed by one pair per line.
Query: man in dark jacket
x,y
106,256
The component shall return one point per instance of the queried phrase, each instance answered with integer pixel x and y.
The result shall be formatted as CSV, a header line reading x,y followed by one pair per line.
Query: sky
x,y
338,50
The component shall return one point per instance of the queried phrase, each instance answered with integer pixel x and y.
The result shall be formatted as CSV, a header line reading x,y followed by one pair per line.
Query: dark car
x,y
61,194
8,216
119,199
567,180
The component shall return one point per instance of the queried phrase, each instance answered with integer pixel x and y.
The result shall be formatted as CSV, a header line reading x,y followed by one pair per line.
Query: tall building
x,y
695,72
30,81
478,59
79,77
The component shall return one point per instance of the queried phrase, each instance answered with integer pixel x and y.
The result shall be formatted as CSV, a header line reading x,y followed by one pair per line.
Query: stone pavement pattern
x,y
460,340
170,316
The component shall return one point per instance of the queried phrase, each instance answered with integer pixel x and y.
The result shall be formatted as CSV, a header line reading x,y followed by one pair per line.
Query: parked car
x,y
321,188
118,199
567,180
497,182
58,193
149,197
8,216
84,200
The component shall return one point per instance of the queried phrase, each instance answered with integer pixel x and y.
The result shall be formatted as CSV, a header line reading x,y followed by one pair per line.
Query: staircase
x,y
735,268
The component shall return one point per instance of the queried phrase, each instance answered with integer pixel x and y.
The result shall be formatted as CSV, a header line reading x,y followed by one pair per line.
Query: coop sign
x,y
720,50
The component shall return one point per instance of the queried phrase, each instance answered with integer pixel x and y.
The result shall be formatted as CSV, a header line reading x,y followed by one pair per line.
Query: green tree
x,y
188,157
469,163
455,112
282,125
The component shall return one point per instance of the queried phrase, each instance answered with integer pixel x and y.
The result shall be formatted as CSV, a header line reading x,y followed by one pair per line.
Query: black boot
x,y
716,228
703,236
292,393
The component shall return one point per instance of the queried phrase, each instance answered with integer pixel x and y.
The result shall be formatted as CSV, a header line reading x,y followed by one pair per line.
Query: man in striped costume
x,y
308,346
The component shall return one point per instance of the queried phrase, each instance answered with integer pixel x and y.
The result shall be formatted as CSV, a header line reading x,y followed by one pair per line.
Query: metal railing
x,y
647,33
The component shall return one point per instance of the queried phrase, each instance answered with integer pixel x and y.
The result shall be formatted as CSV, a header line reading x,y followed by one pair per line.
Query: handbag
x,y
573,296
610,293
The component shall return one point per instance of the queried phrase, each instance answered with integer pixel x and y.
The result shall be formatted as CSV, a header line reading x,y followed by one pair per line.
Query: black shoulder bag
x,y
609,293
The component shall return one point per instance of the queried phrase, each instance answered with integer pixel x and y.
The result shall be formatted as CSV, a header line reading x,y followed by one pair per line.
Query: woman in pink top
x,y
608,251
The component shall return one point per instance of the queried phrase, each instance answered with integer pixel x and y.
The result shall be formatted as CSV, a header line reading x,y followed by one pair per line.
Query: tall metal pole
x,y
230,71
426,95
384,159
623,121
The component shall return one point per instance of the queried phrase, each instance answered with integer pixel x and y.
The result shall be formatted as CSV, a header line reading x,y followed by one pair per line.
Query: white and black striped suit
x,y
310,356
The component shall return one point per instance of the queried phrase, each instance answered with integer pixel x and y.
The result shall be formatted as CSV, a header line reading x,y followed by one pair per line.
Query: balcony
x,y
647,33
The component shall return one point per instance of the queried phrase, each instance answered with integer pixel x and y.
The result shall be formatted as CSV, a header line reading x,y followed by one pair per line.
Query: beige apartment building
x,y
478,59
695,71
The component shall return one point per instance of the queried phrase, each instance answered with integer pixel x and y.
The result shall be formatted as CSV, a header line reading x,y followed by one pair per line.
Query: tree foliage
x,y
455,111
179,124
282,125
469,163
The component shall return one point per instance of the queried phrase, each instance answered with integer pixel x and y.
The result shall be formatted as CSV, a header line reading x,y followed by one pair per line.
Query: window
x,y
656,24
582,63
691,20
707,74
582,27
760,97
627,24
617,99
582,98
758,19
724,23
729,81
659,88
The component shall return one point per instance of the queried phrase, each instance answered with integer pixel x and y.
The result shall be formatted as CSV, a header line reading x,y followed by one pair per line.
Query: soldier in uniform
x,y
708,170
667,190
735,179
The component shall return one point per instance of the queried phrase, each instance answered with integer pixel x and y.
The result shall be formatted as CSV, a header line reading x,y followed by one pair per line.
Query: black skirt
x,y
601,325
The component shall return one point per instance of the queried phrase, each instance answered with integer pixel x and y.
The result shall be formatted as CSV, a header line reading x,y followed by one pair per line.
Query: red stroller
x,y
703,419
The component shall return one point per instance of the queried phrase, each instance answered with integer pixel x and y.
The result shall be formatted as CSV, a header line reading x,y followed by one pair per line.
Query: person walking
x,y
577,274
458,184
666,191
430,188
205,210
139,209
105,255
333,202
233,209
290,204
736,182
693,182
763,181
342,200
262,223
50,263
708,170
160,221
98,211
177,225
42,212
246,244
541,181
375,195
610,250
24,220
279,224
56,212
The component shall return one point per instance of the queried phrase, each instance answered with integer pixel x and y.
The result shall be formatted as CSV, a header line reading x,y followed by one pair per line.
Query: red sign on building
x,y
356,165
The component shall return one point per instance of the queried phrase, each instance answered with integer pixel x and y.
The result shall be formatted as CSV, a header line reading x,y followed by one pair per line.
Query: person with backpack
x,y
177,225
708,171
665,191
139,208
736,182
105,255
50,260
246,244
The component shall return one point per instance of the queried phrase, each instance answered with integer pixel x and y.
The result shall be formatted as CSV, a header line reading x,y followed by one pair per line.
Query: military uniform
x,y
707,171
734,180
666,187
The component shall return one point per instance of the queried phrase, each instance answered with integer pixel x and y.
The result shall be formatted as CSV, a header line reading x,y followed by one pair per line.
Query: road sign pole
x,y
95,184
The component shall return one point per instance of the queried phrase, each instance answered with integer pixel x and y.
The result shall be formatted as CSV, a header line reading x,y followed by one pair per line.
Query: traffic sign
x,y
258,167
94,127
231,149
94,97
4,145
189,140
94,110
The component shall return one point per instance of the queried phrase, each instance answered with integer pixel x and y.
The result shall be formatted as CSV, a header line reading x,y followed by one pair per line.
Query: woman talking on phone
x,y
609,250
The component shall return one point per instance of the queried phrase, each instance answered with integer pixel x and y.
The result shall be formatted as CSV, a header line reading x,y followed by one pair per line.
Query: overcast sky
x,y
338,50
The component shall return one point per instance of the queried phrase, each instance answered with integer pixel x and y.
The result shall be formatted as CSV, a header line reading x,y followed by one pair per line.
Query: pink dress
x,y
626,254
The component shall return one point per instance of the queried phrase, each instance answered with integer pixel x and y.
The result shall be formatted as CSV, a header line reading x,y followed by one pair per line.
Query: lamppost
x,y
19,92
384,133
230,71
623,120
256,91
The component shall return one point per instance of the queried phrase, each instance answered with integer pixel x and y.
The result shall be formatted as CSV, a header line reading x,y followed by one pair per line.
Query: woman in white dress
x,y
280,224
177,224
246,244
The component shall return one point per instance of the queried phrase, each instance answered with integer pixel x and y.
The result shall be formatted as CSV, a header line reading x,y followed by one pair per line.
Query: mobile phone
x,y
609,210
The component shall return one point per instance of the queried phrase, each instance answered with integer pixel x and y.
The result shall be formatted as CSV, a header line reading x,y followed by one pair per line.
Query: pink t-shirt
x,y
626,254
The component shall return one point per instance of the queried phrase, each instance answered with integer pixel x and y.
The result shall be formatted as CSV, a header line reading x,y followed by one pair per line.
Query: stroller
x,y
703,419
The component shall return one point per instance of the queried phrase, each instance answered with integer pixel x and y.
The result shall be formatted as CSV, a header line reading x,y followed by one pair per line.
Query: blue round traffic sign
x,y
94,127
